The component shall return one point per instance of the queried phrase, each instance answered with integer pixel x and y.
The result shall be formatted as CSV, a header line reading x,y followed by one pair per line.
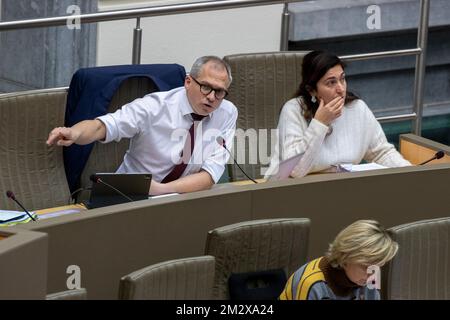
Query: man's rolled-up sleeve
x,y
125,122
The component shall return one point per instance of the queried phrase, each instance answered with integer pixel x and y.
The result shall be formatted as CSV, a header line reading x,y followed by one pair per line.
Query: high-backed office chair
x,y
181,279
90,95
33,171
108,157
421,268
262,83
254,258
75,294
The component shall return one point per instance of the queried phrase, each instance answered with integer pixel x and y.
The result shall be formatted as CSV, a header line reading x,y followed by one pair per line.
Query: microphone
x,y
221,141
72,195
437,155
11,195
96,179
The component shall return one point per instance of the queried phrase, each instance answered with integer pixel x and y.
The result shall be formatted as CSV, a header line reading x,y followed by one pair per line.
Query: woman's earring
x,y
313,99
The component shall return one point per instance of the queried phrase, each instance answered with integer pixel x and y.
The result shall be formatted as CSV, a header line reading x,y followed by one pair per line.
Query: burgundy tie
x,y
178,170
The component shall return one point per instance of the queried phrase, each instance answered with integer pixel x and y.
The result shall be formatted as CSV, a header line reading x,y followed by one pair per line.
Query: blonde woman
x,y
343,272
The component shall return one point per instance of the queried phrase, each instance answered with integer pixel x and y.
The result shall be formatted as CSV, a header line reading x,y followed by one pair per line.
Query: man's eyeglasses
x,y
206,89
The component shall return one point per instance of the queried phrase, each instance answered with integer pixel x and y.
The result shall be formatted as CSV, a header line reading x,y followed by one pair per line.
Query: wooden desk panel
x,y
417,154
391,196
23,264
109,242
417,149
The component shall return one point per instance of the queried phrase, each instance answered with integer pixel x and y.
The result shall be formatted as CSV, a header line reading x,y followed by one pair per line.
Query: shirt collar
x,y
186,107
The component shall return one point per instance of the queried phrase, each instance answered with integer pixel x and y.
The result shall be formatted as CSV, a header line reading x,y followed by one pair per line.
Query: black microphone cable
x,y
11,195
96,179
221,141
74,193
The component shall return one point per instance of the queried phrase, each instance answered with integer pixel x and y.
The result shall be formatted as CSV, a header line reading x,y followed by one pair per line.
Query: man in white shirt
x,y
173,134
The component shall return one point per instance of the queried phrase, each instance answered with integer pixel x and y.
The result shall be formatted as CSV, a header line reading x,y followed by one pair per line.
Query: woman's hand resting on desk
x,y
327,113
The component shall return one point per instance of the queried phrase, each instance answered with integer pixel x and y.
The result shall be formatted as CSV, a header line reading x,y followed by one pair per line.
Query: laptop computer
x,y
129,187
285,168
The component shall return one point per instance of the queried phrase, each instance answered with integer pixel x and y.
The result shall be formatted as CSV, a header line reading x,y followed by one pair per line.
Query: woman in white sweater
x,y
328,123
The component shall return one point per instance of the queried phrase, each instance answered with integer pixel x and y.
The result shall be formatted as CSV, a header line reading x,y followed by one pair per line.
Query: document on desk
x,y
58,213
348,167
10,217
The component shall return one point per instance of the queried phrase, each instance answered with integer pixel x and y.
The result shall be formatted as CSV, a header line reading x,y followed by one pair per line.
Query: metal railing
x,y
419,76
384,54
419,52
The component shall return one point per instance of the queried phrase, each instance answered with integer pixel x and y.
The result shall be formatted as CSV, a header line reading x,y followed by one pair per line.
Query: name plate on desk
x,y
59,211
10,218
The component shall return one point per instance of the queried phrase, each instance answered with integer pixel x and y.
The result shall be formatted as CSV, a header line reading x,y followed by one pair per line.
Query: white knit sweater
x,y
356,135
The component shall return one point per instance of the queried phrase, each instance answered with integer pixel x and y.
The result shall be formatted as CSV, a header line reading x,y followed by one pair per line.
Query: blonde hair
x,y
363,242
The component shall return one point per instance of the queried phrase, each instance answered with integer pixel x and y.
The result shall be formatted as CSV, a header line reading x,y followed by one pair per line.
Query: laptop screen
x,y
285,168
114,188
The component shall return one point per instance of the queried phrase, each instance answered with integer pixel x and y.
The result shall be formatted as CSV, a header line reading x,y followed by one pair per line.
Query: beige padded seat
x,y
33,171
75,294
257,245
181,279
262,83
421,268
108,157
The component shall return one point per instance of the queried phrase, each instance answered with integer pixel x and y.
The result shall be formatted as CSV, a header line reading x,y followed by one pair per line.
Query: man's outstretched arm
x,y
83,132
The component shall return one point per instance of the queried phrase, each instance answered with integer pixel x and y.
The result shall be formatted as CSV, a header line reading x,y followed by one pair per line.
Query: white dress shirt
x,y
158,125
356,135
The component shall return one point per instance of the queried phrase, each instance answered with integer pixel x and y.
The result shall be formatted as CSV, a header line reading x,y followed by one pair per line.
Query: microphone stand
x,y
222,143
11,195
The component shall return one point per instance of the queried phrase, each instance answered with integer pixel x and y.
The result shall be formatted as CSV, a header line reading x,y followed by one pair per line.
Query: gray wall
x,y
329,18
385,84
44,57
23,264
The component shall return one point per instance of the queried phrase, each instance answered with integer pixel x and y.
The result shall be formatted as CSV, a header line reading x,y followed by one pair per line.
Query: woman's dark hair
x,y
315,65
